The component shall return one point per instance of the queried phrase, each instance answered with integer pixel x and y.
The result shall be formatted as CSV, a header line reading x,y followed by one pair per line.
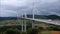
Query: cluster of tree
x,y
55,28
35,30
16,31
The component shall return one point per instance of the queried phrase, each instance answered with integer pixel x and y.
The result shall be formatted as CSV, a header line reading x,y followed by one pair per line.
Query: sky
x,y
13,8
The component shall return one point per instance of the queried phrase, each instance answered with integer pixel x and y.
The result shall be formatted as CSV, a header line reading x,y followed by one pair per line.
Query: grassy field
x,y
9,21
50,32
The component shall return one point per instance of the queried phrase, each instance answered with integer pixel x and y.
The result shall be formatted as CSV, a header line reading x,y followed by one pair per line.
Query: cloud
x,y
41,7
6,13
14,2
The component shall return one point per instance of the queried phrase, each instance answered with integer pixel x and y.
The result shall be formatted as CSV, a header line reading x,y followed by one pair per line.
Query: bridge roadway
x,y
46,21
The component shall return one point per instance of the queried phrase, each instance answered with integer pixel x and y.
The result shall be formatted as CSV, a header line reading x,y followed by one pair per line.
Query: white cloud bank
x,y
14,7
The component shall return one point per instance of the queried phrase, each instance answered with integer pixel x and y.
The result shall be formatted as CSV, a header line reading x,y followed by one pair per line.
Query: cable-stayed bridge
x,y
47,21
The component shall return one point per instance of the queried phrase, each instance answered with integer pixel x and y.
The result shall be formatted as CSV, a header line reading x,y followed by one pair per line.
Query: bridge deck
x,y
46,21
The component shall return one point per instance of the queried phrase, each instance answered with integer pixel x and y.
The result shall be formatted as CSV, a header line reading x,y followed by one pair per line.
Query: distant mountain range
x,y
45,16
36,16
8,18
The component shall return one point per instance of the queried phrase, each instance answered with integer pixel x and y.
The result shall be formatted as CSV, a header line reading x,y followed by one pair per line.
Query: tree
x,y
32,31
